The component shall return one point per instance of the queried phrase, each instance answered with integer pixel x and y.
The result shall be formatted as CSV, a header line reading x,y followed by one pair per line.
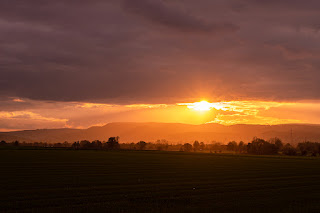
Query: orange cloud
x,y
41,114
245,112
21,120
28,115
18,100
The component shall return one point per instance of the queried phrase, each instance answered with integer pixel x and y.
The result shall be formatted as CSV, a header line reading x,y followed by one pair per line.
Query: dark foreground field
x,y
95,181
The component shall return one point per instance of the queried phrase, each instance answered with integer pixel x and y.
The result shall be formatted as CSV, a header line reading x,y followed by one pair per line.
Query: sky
x,y
76,63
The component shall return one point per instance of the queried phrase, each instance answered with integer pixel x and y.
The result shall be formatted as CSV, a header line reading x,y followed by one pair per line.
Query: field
x,y
150,181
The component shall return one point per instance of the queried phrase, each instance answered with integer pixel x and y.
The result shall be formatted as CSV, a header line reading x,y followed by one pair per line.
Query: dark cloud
x,y
159,12
151,51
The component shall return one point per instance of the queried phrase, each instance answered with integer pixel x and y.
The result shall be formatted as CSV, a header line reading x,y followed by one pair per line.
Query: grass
x,y
150,181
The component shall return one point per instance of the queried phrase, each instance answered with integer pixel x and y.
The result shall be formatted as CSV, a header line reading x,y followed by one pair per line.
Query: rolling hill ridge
x,y
173,132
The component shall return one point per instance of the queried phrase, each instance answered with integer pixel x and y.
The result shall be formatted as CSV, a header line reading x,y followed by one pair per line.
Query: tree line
x,y
111,144
274,146
257,146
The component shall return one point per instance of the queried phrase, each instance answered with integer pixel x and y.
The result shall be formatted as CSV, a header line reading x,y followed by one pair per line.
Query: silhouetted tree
x,y
84,144
196,146
59,145
277,142
309,148
241,147
76,145
217,147
3,143
96,144
202,146
161,145
66,144
132,145
259,146
289,150
113,143
141,145
16,143
187,147
232,146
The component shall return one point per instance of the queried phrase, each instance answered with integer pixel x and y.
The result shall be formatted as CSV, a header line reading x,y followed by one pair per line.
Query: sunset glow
x,y
201,106
160,106
205,105
159,61
31,114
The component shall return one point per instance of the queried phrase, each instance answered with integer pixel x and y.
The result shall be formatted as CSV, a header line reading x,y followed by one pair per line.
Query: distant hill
x,y
173,132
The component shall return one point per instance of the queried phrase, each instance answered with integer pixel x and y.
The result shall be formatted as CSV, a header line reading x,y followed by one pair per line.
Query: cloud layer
x,y
20,114
153,51
133,52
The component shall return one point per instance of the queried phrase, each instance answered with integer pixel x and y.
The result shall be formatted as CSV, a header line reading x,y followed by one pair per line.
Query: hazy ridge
x,y
173,132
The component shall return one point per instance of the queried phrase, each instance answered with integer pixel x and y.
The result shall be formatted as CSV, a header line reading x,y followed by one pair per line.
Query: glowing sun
x,y
201,106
